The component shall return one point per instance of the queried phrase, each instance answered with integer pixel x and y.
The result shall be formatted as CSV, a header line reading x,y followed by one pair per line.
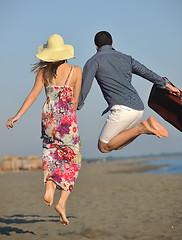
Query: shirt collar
x,y
105,47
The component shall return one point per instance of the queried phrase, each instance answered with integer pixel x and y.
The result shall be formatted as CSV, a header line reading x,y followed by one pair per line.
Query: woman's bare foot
x,y
151,126
62,211
49,195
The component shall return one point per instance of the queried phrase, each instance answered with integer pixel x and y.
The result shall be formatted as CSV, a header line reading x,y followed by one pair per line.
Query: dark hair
x,y
103,38
49,68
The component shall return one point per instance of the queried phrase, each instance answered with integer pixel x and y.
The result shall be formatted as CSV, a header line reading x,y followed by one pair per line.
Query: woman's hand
x,y
9,123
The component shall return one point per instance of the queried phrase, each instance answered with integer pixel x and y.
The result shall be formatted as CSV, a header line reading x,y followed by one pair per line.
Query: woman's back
x,y
62,74
59,105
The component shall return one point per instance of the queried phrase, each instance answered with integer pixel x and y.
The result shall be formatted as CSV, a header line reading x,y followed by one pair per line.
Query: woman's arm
x,y
77,87
37,88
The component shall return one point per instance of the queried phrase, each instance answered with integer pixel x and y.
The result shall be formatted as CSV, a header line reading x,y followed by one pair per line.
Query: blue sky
x,y
150,31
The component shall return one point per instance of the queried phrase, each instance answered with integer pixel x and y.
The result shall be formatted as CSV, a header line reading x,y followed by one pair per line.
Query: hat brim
x,y
52,55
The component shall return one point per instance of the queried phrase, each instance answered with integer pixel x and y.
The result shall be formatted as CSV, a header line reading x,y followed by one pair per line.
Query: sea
x,y
173,166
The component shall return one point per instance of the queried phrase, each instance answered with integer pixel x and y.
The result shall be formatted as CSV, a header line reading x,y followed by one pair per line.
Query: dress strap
x,y
69,76
48,81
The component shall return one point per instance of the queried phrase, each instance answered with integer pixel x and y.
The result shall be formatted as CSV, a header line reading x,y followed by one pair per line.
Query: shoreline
x,y
135,165
137,158
124,165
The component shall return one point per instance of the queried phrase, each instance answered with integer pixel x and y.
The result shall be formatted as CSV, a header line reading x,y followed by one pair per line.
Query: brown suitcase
x,y
167,105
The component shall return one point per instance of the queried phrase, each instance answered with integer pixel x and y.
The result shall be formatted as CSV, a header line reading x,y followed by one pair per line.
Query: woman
x,y
61,141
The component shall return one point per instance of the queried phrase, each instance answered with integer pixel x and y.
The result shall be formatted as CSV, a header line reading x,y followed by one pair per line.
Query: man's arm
x,y
88,75
142,71
162,82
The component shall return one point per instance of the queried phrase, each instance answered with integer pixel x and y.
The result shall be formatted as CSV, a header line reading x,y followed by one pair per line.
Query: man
x,y
113,71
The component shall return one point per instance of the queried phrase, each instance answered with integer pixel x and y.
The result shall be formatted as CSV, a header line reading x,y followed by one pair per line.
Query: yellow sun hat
x,y
55,50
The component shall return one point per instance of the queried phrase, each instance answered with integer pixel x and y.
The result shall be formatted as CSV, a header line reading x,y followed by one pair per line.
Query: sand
x,y
111,200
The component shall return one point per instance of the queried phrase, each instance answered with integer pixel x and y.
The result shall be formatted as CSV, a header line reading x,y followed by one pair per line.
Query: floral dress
x,y
61,141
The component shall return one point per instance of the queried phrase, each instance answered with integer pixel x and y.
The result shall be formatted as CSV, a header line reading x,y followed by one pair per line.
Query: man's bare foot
x,y
49,195
62,211
157,126
151,126
147,129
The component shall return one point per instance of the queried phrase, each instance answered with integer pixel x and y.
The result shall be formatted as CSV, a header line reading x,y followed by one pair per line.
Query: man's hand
x,y
173,90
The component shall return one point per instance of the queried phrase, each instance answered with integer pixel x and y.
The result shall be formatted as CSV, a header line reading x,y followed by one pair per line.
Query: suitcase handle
x,y
176,95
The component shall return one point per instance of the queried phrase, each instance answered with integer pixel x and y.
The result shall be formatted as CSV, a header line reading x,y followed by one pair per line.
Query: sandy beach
x,y
111,200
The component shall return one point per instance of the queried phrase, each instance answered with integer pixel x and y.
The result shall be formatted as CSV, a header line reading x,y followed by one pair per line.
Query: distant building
x,y
16,163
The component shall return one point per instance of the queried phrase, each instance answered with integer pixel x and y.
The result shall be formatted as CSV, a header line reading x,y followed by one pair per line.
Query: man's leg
x,y
150,126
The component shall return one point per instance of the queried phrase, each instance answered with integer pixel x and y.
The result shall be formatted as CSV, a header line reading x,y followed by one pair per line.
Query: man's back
x,y
113,71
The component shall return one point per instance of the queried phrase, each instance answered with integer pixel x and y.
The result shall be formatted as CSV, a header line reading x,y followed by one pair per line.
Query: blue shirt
x,y
113,71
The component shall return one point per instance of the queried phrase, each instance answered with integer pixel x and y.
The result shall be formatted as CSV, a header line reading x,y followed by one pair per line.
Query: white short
x,y
120,119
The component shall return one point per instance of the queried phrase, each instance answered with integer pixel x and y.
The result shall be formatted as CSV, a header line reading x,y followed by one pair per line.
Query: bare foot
x,y
157,126
49,195
62,211
147,129
151,126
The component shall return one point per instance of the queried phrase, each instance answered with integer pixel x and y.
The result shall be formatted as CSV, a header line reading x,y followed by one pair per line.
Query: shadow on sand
x,y
24,219
8,230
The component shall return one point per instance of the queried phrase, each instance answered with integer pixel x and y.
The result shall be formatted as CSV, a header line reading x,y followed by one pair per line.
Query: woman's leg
x,y
61,207
150,126
49,194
